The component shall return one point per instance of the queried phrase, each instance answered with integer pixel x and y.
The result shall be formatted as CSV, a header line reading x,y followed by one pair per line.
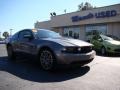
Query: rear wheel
x,y
47,59
11,54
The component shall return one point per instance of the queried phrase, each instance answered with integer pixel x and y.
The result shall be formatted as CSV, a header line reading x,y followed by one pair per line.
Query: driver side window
x,y
22,33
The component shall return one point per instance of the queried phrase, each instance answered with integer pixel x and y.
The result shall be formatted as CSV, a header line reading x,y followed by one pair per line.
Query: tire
x,y
103,51
11,54
47,60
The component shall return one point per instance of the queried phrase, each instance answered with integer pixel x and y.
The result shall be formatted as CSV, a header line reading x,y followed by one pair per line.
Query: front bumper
x,y
67,58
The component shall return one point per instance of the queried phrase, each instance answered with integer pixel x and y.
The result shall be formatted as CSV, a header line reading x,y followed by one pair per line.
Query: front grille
x,y
86,49
117,50
74,50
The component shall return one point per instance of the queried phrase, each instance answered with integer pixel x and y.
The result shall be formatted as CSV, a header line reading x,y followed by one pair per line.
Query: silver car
x,y
50,48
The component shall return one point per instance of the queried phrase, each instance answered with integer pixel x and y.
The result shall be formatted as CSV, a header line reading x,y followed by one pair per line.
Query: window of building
x,y
95,29
73,32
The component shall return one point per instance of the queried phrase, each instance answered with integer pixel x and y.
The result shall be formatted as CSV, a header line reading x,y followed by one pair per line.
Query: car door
x,y
97,42
26,44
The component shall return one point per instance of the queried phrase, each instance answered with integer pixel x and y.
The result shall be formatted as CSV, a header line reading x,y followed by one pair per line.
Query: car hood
x,y
115,42
69,42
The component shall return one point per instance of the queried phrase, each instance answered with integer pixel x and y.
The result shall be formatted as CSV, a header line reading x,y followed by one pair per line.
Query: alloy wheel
x,y
10,52
46,59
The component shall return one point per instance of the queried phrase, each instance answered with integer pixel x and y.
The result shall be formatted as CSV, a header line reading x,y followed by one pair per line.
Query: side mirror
x,y
28,36
100,40
88,41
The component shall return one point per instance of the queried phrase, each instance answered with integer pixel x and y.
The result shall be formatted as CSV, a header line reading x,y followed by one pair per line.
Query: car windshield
x,y
47,34
106,37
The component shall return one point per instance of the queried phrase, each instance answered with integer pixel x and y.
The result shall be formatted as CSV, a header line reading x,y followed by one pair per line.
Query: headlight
x,y
64,49
79,49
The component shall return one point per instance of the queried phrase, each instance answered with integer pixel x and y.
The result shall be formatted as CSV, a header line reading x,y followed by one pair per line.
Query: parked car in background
x,y
105,44
2,42
50,48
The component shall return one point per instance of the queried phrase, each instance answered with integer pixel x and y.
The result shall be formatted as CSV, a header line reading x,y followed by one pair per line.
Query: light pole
x,y
10,32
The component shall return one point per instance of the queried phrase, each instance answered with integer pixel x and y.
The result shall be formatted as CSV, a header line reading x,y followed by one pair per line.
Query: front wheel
x,y
10,52
47,59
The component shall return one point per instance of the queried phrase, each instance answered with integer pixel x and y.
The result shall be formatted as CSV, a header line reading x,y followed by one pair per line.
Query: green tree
x,y
80,6
6,34
85,6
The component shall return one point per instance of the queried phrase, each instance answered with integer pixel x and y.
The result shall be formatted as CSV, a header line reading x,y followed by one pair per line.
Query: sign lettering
x,y
101,14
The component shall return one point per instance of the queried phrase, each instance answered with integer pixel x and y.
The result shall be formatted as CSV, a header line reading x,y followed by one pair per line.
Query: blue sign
x,y
102,14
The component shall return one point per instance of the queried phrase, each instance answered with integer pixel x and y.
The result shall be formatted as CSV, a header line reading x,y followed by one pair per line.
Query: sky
x,y
21,14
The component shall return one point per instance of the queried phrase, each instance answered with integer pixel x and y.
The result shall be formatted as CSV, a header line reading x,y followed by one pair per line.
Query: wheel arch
x,y
48,48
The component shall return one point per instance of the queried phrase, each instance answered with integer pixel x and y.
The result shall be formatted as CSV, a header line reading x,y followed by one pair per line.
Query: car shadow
x,y
30,70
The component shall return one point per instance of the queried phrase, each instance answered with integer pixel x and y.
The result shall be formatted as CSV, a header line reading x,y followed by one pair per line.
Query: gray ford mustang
x,y
50,48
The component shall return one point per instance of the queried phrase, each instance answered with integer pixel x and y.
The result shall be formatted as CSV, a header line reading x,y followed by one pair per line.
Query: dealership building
x,y
82,24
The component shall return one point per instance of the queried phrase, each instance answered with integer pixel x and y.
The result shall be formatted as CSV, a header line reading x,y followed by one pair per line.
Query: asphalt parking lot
x,y
101,74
